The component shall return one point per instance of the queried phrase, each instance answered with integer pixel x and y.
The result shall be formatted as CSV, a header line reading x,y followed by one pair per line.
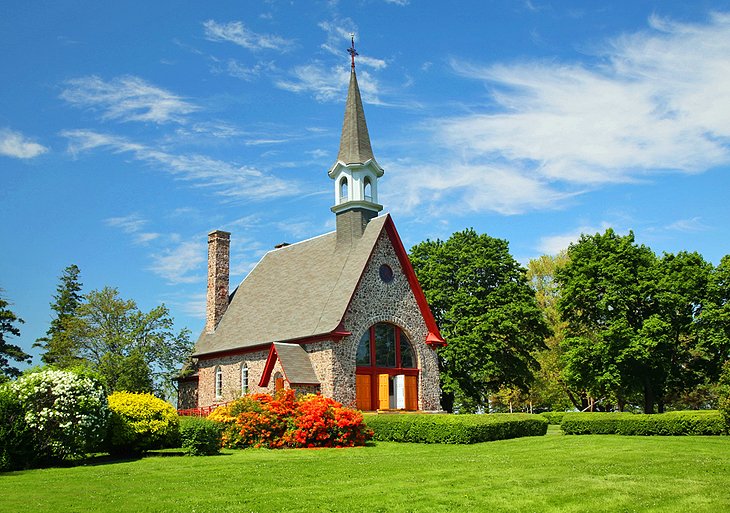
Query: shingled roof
x,y
294,292
355,145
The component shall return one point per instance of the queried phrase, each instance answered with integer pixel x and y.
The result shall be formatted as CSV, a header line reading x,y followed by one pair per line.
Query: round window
x,y
386,273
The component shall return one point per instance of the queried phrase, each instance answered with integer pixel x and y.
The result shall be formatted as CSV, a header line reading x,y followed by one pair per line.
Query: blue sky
x,y
129,130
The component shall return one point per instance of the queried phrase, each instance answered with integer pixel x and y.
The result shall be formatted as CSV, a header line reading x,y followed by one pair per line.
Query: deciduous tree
x,y
130,349
487,313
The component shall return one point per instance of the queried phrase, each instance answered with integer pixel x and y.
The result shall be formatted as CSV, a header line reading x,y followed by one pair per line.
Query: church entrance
x,y
386,376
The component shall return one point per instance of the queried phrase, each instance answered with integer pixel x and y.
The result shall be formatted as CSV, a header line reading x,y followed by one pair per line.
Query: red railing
x,y
203,411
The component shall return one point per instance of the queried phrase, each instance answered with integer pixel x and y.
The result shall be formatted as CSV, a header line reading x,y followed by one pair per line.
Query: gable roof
x,y
295,363
302,291
294,292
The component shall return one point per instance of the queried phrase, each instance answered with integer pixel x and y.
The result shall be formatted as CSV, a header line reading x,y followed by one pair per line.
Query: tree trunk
x,y
648,397
447,401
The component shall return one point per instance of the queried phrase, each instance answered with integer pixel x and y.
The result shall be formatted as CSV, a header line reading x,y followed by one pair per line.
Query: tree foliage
x,y
57,345
130,349
549,389
639,325
9,327
487,313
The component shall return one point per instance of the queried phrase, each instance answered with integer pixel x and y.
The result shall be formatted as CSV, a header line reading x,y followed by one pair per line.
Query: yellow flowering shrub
x,y
140,422
222,414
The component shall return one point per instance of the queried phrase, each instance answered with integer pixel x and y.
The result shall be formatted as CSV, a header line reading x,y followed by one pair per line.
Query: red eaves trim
x,y
269,367
434,337
337,334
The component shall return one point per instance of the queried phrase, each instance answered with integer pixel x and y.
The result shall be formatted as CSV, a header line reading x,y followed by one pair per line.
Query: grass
x,y
599,473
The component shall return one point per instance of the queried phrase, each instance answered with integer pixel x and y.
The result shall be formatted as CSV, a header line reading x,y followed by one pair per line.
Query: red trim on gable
x,y
233,352
434,336
269,367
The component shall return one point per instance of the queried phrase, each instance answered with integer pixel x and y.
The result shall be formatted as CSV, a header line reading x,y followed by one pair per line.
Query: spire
x,y
355,140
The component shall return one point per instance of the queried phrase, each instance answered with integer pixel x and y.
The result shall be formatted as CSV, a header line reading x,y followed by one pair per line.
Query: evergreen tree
x,y
8,327
58,347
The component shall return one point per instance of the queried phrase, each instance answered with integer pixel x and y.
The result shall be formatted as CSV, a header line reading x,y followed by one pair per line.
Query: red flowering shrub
x,y
260,420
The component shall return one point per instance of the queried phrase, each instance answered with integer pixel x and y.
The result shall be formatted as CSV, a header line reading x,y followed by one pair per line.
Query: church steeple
x,y
356,171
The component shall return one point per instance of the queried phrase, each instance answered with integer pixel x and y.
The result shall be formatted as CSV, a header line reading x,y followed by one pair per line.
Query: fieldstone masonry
x,y
219,243
334,361
376,301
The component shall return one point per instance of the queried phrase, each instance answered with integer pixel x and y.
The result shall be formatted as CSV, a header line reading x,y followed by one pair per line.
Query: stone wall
x,y
187,393
231,367
376,301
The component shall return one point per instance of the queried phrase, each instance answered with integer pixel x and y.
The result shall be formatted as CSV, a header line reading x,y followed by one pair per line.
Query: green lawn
x,y
550,473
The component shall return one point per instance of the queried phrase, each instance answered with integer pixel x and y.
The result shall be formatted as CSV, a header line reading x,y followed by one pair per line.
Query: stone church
x,y
341,314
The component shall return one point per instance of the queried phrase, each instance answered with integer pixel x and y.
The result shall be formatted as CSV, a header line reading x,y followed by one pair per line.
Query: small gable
x,y
294,362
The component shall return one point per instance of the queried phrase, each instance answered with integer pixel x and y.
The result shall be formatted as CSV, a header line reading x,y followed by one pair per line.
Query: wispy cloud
x,y
339,33
229,180
652,102
178,264
694,224
554,244
127,98
329,83
132,224
235,32
16,145
248,73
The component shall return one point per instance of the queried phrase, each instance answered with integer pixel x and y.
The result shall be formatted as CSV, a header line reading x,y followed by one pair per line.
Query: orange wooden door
x,y
383,392
411,393
279,384
363,392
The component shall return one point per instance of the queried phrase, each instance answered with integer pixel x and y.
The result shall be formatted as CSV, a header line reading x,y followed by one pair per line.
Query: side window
x,y
218,382
244,379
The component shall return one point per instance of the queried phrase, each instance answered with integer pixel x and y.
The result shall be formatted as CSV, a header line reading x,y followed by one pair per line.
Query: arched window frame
x,y
397,368
218,382
244,379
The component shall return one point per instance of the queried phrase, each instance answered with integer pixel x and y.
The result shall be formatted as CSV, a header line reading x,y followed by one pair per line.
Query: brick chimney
x,y
219,245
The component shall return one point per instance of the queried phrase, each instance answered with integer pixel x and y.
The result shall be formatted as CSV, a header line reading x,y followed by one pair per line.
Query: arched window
x,y
218,382
343,189
386,375
386,346
244,379
368,189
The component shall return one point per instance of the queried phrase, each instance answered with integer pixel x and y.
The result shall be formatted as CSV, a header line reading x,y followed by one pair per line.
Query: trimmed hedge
x,y
200,436
554,417
454,429
700,422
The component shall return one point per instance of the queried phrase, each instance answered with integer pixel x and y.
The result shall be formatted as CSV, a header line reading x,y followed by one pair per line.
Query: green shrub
x,y
199,436
455,429
695,422
554,417
17,447
66,412
140,422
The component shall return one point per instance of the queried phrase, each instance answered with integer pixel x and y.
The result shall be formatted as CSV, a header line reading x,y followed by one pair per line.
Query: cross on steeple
x,y
352,50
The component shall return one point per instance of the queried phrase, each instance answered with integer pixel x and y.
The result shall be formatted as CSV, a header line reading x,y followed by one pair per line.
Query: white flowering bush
x,y
67,412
